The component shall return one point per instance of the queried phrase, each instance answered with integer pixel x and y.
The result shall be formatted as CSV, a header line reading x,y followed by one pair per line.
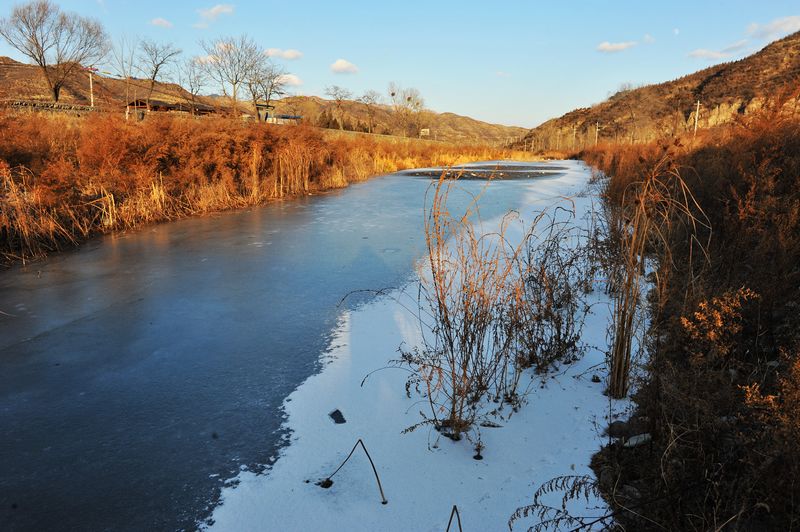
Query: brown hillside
x,y
19,81
654,111
443,126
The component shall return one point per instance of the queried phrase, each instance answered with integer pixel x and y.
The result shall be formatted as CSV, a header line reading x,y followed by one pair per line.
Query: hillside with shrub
x,y
725,92
382,119
20,81
720,395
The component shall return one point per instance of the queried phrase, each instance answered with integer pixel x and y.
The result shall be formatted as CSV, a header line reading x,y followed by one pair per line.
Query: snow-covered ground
x,y
423,474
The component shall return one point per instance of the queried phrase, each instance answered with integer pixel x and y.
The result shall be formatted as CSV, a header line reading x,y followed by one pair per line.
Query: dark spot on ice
x,y
14,506
595,378
478,456
337,417
326,483
214,435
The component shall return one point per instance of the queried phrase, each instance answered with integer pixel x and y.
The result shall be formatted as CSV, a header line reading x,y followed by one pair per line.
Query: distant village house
x,y
139,107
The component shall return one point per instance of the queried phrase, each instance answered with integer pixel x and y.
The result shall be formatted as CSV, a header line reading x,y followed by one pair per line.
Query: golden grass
x,y
102,173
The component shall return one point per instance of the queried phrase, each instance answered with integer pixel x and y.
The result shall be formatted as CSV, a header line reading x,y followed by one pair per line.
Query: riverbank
x,y
721,397
143,369
66,178
422,473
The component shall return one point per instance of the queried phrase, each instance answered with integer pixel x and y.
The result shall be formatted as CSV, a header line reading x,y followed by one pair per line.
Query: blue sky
x,y
516,63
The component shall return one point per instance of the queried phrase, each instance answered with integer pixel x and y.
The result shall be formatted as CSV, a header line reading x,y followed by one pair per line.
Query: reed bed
x,y
66,178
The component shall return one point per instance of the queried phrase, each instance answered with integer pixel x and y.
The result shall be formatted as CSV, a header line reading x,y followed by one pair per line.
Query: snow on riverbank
x,y
424,474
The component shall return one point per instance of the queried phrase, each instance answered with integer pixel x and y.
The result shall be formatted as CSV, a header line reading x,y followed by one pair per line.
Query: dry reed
x,y
498,305
66,178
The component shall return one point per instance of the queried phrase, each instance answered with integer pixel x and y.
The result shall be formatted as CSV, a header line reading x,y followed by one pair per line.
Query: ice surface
x,y
424,474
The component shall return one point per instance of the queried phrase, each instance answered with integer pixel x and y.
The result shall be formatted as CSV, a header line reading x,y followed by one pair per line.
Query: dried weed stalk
x,y
499,305
652,213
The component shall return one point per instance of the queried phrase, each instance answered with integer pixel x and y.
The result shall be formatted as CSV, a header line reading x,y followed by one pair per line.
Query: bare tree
x,y
60,43
192,77
370,101
230,62
339,95
123,58
266,81
154,59
407,105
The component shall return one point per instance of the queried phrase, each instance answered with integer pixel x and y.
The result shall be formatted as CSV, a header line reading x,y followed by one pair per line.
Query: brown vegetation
x,y
721,396
65,178
19,81
496,306
645,114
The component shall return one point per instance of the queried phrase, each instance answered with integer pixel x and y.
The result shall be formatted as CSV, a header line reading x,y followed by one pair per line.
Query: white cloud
x,y
735,47
291,80
223,46
612,47
211,14
290,53
161,22
703,53
342,66
205,59
725,53
648,39
676,31
775,29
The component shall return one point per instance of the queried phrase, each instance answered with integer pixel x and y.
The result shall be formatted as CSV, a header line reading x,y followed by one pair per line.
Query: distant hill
x,y
443,126
656,111
19,81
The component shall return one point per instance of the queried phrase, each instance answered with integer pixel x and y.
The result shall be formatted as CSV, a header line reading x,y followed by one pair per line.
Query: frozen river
x,y
140,371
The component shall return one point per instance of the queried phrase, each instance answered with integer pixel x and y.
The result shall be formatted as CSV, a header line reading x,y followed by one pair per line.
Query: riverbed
x,y
144,371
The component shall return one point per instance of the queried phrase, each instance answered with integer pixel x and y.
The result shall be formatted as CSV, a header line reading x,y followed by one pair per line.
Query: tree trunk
x,y
266,109
150,93
235,87
255,106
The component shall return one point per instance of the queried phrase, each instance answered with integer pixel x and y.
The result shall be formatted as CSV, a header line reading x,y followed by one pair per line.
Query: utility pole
x,y
91,70
696,116
596,132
